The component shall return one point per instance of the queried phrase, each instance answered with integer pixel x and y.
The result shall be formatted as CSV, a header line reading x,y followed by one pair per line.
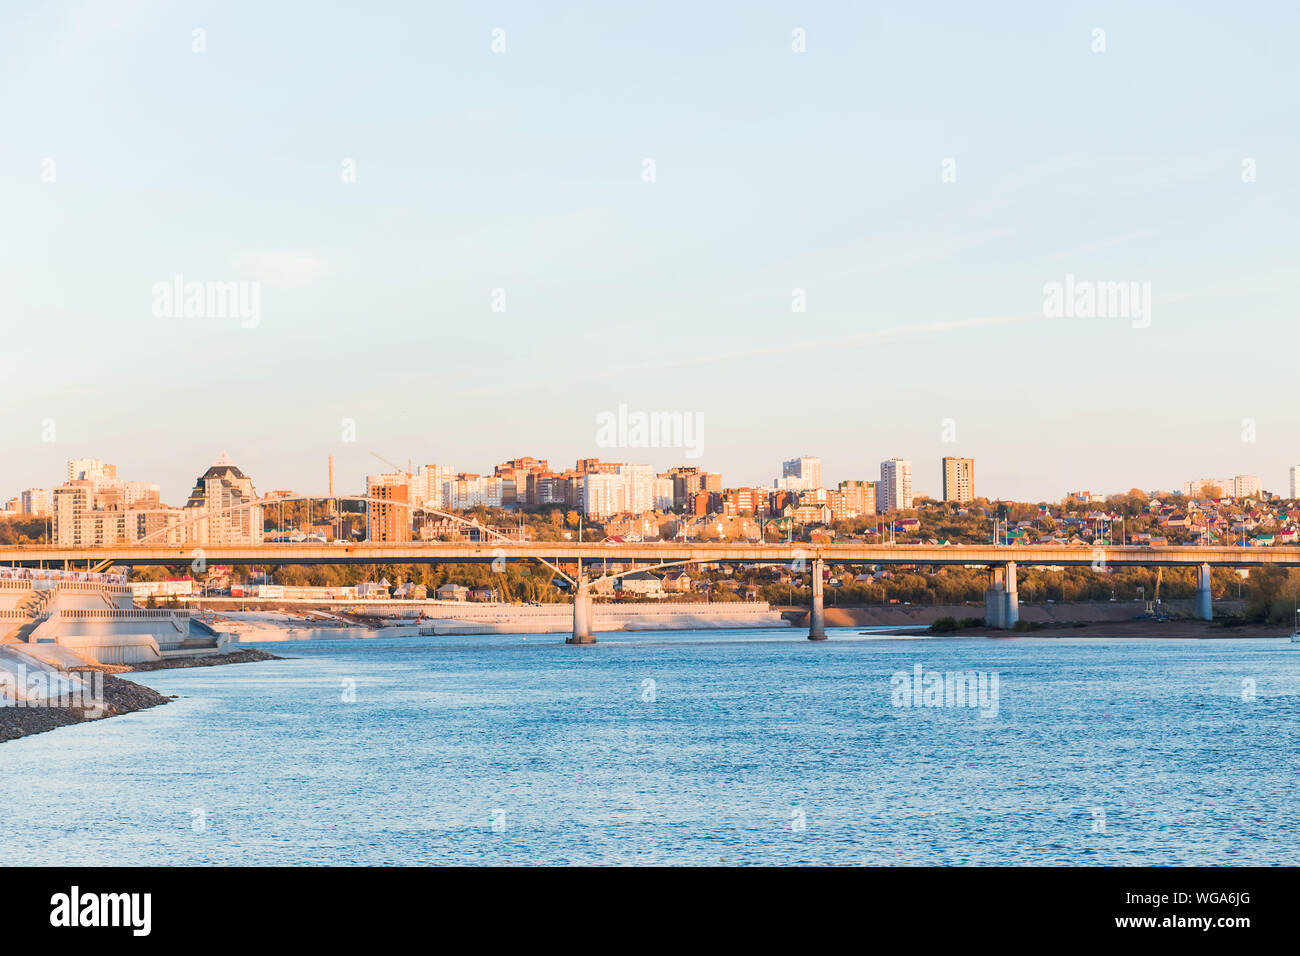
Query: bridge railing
x,y
121,614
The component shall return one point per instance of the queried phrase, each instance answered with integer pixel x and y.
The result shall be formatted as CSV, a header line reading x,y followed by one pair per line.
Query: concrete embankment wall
x,y
902,615
17,668
558,618
97,622
473,618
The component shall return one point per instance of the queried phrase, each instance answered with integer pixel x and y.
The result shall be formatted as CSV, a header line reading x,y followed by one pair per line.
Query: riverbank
x,y
246,656
1177,630
429,619
120,696
923,615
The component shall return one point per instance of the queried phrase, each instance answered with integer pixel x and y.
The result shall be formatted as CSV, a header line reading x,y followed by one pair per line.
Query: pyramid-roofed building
x,y
222,507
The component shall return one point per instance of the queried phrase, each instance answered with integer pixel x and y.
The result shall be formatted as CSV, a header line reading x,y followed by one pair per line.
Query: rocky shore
x,y
246,656
121,696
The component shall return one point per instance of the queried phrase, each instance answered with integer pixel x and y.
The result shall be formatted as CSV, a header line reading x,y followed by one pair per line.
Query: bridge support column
x,y
1001,600
1204,600
817,616
582,604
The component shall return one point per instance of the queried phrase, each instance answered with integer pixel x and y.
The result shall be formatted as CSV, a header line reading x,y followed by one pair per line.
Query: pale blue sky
x,y
775,170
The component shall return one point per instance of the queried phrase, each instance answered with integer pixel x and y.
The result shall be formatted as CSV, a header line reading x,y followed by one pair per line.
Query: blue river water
x,y
702,747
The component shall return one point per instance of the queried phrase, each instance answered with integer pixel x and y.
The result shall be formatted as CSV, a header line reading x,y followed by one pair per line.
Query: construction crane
x,y
398,468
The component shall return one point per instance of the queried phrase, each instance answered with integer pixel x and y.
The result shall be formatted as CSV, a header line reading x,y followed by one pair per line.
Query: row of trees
x,y
24,531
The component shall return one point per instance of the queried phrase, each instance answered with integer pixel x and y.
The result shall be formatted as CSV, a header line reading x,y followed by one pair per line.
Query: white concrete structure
x,y
1001,600
894,493
1199,487
90,469
1294,474
631,489
1246,486
1204,602
98,622
800,474
134,492
427,485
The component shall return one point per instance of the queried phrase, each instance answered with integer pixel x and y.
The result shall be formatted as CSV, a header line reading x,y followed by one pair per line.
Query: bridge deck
x,y
653,552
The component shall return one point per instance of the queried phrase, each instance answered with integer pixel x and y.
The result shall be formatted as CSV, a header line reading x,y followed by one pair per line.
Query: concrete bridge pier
x,y
1204,600
1001,600
817,617
582,604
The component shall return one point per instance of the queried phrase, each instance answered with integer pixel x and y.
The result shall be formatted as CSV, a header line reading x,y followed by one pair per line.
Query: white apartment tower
x,y
631,489
895,490
801,474
1246,486
427,484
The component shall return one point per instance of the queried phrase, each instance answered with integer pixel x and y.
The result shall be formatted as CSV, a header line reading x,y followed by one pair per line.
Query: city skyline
x,y
518,274
1241,485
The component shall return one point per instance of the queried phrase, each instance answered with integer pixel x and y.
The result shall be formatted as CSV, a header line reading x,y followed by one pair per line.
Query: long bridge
x,y
1001,598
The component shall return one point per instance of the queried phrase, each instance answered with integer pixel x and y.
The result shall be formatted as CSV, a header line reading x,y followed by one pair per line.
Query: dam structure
x,y
70,617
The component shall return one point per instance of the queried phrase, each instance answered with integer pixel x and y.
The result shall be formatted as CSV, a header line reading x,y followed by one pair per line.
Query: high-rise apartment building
x,y
35,502
110,493
859,498
548,488
688,481
1241,486
587,466
222,506
842,509
1199,487
958,479
72,503
894,493
632,489
385,521
464,491
1295,478
741,501
427,484
137,494
1247,486
90,469
800,474
79,523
